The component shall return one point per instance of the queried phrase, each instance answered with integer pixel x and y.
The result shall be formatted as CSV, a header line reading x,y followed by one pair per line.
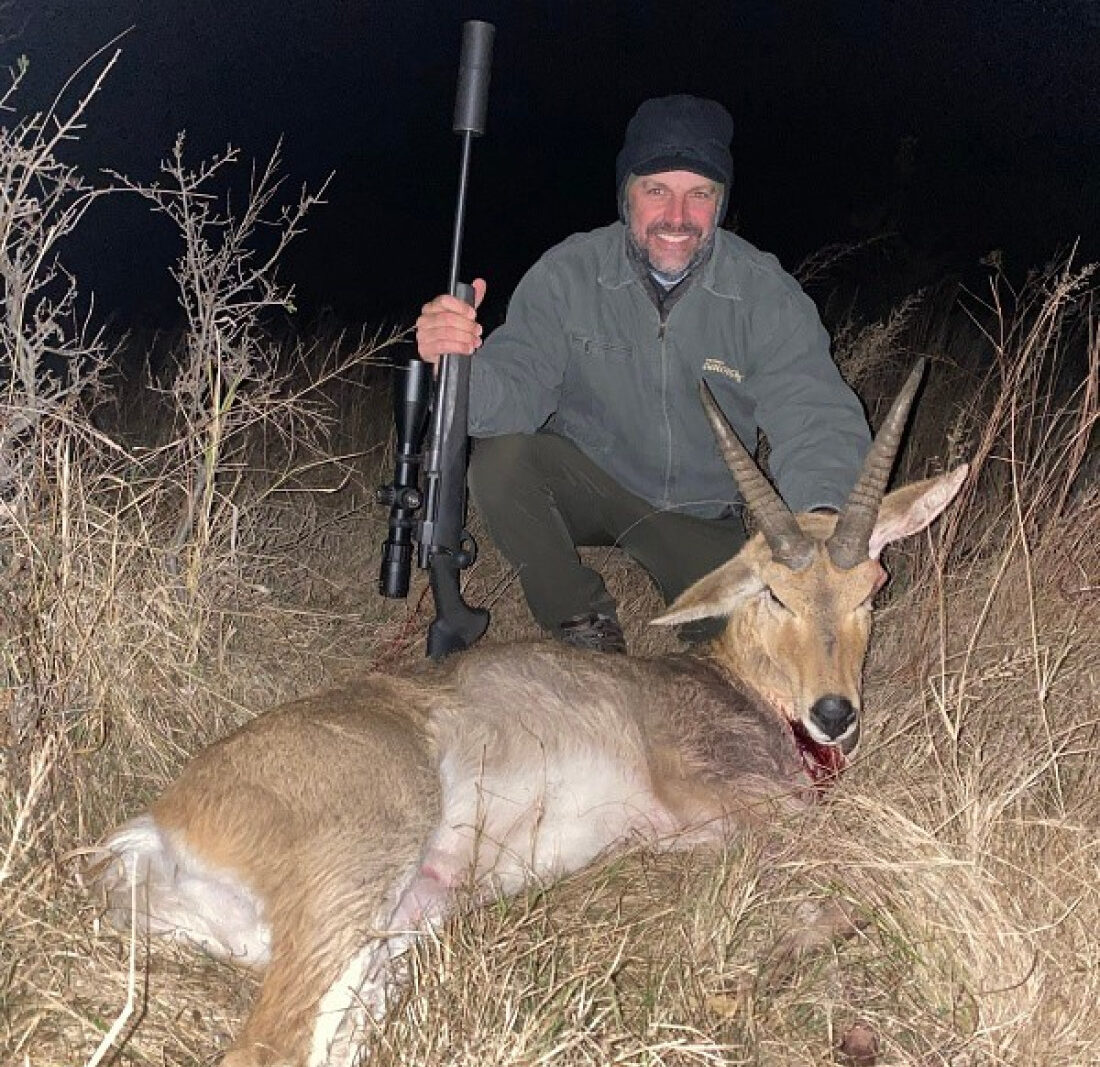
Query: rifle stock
x,y
446,547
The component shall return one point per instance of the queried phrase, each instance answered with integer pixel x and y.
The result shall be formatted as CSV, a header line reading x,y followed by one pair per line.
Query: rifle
x,y
444,546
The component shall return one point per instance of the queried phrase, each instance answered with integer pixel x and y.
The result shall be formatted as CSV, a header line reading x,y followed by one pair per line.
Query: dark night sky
x,y
962,125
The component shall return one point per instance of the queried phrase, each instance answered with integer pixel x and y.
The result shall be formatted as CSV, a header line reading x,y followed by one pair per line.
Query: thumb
x,y
479,291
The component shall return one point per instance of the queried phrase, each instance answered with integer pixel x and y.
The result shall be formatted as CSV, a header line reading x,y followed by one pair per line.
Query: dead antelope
x,y
314,842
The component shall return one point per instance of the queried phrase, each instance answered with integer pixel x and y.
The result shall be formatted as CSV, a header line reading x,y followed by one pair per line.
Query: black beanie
x,y
677,133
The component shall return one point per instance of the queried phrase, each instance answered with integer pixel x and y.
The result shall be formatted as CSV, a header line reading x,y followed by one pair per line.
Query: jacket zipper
x,y
661,332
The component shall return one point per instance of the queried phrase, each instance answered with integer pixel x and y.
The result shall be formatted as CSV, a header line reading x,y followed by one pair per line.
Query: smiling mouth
x,y
823,763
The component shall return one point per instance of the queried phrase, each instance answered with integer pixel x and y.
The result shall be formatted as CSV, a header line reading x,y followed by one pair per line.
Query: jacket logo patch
x,y
716,366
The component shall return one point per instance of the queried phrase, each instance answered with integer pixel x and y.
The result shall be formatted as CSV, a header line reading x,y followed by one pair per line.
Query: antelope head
x,y
797,598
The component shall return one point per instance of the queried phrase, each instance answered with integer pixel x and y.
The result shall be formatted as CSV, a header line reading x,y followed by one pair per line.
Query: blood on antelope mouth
x,y
823,763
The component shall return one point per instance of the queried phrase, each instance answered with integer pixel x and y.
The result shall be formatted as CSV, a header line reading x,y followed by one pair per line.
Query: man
x,y
585,403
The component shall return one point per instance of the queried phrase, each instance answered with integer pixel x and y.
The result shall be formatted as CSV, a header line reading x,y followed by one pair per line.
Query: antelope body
x,y
316,840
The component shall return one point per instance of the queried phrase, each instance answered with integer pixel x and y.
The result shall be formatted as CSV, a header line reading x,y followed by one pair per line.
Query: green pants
x,y
542,498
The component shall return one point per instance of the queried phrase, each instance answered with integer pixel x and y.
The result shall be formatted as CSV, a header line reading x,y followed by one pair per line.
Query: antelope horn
x,y
784,536
849,543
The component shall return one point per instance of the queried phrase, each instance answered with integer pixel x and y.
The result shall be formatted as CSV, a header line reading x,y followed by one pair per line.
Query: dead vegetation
x,y
160,584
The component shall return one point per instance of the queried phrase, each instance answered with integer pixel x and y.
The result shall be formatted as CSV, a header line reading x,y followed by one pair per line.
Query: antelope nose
x,y
833,715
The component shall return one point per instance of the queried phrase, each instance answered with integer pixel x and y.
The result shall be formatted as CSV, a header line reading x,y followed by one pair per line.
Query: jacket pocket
x,y
599,349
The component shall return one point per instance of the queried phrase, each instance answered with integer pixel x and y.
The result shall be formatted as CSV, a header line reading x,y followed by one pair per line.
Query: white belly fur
x,y
509,824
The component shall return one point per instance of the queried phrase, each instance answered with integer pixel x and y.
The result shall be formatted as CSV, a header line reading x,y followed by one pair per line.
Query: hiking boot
x,y
595,632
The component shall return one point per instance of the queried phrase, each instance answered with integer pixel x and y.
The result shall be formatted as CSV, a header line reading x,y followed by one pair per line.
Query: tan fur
x,y
318,838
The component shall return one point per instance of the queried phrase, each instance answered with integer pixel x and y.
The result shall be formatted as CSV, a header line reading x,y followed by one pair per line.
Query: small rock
x,y
859,1045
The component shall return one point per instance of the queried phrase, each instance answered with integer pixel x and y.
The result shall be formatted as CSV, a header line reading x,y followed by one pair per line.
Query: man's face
x,y
673,216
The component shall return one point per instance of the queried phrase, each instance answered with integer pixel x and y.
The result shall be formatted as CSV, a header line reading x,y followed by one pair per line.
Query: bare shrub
x,y
51,361
50,357
229,378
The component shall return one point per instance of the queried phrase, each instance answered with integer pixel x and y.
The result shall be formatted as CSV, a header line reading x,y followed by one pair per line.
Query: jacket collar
x,y
719,273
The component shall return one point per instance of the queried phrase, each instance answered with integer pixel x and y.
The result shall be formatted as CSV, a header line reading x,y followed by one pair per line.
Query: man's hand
x,y
446,324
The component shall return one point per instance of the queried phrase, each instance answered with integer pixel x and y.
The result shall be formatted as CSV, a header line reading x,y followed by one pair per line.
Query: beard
x,y
703,246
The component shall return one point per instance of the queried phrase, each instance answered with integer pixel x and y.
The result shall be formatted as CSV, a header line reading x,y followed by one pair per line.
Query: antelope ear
x,y
911,508
715,594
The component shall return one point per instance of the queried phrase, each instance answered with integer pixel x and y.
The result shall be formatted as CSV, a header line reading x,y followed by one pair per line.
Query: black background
x,y
959,126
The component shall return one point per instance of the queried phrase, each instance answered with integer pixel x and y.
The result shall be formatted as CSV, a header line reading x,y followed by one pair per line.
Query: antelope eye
x,y
775,601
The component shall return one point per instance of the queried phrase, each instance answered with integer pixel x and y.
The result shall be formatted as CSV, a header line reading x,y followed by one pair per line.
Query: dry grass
x,y
966,839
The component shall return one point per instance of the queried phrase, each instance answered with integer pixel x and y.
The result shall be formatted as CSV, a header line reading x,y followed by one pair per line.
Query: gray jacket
x,y
584,353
